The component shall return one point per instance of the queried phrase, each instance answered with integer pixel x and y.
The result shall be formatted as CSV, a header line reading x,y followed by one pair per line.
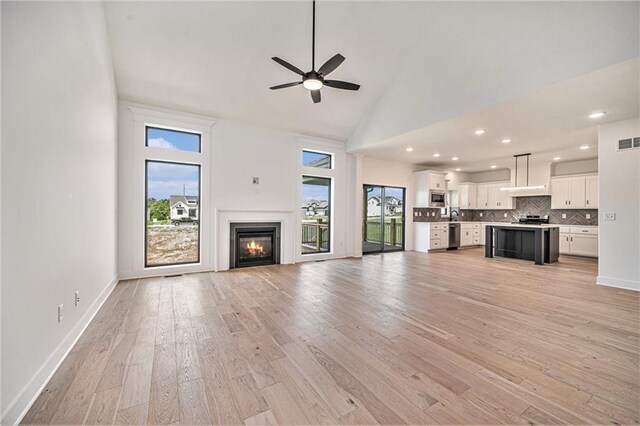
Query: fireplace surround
x,y
254,244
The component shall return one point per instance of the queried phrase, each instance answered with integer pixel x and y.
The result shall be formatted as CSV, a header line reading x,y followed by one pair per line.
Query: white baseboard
x,y
28,395
618,283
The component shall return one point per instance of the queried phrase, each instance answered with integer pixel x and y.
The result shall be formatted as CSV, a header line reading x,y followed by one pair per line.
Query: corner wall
x,y
58,187
619,189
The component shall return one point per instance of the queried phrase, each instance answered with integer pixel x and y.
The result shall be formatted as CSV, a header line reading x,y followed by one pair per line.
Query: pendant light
x,y
527,186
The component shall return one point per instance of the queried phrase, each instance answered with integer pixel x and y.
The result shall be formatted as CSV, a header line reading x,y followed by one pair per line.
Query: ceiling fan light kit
x,y
314,80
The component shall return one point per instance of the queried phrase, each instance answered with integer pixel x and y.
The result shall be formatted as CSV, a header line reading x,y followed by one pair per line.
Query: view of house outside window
x,y
173,213
316,214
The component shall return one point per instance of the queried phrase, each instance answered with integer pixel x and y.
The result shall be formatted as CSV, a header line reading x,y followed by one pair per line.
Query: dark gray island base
x,y
540,243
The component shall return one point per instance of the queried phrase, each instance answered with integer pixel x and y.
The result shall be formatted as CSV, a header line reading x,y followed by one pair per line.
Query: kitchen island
x,y
537,242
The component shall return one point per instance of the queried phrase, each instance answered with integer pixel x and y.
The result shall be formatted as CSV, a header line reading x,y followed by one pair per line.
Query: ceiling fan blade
x,y
337,84
331,64
288,65
282,86
315,95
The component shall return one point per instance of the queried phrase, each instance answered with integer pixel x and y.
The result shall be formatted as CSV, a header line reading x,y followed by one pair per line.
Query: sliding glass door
x,y
383,219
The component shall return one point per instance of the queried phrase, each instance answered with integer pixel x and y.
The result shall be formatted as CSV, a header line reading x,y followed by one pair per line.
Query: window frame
x,y
146,205
329,215
331,156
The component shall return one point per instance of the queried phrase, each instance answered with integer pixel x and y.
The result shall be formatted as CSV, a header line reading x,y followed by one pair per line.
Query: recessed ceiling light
x,y
409,149
454,159
556,158
506,140
479,132
597,115
436,155
493,166
583,147
458,169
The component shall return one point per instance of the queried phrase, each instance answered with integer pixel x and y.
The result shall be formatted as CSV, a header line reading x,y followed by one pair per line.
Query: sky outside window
x,y
173,139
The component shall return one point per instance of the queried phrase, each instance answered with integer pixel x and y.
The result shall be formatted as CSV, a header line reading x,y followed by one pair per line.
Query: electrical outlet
x,y
564,215
588,216
415,214
505,215
433,213
462,214
480,214
609,216
60,313
77,298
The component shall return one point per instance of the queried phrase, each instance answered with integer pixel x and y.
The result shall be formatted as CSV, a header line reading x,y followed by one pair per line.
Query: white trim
x,y
618,283
133,194
30,392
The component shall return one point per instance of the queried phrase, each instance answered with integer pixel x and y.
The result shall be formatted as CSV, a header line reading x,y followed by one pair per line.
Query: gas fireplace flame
x,y
254,248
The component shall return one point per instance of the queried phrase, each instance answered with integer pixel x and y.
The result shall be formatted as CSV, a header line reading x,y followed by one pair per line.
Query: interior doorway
x,y
383,219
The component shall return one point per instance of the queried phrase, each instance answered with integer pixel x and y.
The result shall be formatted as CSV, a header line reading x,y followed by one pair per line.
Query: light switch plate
x,y
564,215
609,216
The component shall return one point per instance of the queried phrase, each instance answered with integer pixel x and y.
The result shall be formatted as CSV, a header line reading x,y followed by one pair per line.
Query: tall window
x,y
316,214
172,200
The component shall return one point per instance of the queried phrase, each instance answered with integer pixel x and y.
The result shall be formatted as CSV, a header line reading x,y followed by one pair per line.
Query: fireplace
x,y
254,244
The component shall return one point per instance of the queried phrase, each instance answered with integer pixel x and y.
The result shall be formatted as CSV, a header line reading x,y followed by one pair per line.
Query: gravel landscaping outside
x,y
172,244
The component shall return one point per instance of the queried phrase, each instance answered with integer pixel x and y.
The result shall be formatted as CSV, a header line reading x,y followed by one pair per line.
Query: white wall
x,y
239,152
574,167
619,189
376,171
58,186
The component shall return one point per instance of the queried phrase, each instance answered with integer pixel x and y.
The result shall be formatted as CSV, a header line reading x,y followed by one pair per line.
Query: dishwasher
x,y
454,236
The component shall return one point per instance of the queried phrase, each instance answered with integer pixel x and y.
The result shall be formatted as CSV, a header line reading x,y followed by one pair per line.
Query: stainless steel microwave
x,y
436,198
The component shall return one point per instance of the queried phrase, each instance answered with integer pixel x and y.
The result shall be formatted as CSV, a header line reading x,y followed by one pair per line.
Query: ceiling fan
x,y
314,80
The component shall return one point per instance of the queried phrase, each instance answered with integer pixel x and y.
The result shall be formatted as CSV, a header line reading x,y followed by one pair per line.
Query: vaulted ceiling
x,y
419,63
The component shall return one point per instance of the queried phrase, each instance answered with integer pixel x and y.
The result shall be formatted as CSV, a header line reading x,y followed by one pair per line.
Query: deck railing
x,y
392,231
315,235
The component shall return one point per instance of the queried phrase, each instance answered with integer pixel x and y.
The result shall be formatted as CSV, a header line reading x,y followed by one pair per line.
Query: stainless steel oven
x,y
436,198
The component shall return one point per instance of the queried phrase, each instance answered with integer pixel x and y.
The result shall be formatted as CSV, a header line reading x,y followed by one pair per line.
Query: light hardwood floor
x,y
397,338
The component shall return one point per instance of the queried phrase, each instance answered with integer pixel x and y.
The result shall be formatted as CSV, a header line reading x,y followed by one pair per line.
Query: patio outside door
x,y
383,221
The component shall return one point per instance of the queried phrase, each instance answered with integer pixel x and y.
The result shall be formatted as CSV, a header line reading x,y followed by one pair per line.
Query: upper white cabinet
x,y
490,196
483,196
468,195
426,181
437,181
592,192
574,192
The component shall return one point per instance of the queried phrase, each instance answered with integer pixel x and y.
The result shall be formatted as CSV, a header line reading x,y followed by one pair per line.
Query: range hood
x,y
527,181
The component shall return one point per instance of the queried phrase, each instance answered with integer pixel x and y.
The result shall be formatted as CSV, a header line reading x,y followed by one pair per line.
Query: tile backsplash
x,y
539,205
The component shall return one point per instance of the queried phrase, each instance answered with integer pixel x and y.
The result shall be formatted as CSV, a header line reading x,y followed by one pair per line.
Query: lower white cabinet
x,y
470,234
431,236
579,240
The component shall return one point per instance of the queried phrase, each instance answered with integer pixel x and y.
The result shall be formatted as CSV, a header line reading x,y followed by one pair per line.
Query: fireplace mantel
x,y
225,217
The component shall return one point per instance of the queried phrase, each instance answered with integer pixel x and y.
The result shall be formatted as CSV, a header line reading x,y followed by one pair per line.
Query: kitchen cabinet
x,y
574,192
490,197
430,236
470,234
428,180
483,196
468,195
437,182
592,192
579,240
584,245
